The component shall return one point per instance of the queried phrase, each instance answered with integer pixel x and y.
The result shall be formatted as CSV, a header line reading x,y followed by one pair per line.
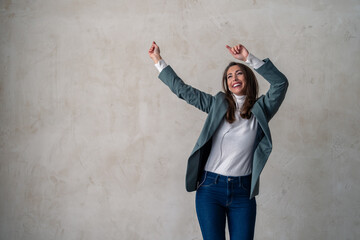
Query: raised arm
x,y
273,98
191,95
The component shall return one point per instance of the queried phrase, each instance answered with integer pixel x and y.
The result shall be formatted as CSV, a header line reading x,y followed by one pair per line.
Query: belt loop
x,y
239,181
216,179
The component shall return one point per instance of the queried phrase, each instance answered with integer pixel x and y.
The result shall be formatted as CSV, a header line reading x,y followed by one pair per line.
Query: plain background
x,y
94,146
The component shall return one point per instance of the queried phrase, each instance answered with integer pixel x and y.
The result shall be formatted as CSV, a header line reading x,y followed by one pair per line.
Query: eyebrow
x,y
235,72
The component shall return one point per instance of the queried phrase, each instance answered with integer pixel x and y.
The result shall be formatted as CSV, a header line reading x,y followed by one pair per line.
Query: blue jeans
x,y
218,197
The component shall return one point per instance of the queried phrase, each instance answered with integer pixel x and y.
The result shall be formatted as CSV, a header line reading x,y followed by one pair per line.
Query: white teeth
x,y
235,85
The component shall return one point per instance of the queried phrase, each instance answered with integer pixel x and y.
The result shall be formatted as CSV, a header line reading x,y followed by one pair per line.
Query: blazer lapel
x,y
212,122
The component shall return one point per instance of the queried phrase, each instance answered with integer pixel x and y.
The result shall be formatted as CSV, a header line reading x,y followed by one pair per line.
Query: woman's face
x,y
236,80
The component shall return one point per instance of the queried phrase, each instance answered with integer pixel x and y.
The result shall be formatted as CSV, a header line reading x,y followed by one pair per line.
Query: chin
x,y
239,93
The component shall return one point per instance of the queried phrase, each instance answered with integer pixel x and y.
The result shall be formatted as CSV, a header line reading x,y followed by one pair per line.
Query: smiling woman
x,y
238,79
225,165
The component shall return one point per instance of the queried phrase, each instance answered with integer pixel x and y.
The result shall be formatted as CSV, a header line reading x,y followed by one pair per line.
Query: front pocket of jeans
x,y
207,182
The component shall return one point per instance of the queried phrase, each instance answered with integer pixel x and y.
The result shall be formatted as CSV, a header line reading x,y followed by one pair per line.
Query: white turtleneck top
x,y
232,144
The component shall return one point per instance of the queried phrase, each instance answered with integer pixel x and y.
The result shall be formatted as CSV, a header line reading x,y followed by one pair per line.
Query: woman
x,y
225,165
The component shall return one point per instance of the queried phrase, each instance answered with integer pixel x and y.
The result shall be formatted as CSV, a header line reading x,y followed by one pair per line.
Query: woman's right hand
x,y
154,53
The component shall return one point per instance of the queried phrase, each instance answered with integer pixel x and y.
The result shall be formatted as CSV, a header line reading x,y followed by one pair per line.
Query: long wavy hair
x,y
251,91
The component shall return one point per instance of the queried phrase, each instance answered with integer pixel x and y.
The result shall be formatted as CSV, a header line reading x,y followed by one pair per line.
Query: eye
x,y
230,76
239,73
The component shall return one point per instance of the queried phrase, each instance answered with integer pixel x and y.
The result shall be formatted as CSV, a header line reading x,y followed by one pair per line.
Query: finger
x,y
230,50
235,51
240,48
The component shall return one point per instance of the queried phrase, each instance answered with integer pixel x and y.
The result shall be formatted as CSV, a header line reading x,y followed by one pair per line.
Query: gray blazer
x,y
216,106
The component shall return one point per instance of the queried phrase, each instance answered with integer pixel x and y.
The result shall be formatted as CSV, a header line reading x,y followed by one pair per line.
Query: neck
x,y
239,96
239,100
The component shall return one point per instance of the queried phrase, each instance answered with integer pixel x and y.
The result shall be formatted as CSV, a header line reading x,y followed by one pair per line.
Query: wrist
x,y
156,59
246,56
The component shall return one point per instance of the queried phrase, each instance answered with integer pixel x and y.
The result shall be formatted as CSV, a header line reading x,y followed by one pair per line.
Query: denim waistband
x,y
222,178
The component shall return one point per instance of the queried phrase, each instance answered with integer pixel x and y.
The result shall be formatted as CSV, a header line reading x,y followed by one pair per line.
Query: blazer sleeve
x,y
191,95
278,87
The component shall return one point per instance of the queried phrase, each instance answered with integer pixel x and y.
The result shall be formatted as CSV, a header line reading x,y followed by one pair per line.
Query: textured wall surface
x,y
94,146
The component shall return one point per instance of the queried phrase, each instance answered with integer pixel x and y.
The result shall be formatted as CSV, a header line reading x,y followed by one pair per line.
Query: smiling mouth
x,y
236,85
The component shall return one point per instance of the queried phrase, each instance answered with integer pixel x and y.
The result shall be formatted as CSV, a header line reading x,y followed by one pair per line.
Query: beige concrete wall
x,y
94,146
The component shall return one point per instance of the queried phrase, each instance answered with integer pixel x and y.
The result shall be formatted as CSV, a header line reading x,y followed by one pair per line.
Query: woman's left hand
x,y
239,52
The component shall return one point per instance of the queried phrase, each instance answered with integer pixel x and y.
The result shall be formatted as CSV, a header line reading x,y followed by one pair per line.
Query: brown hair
x,y
252,89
